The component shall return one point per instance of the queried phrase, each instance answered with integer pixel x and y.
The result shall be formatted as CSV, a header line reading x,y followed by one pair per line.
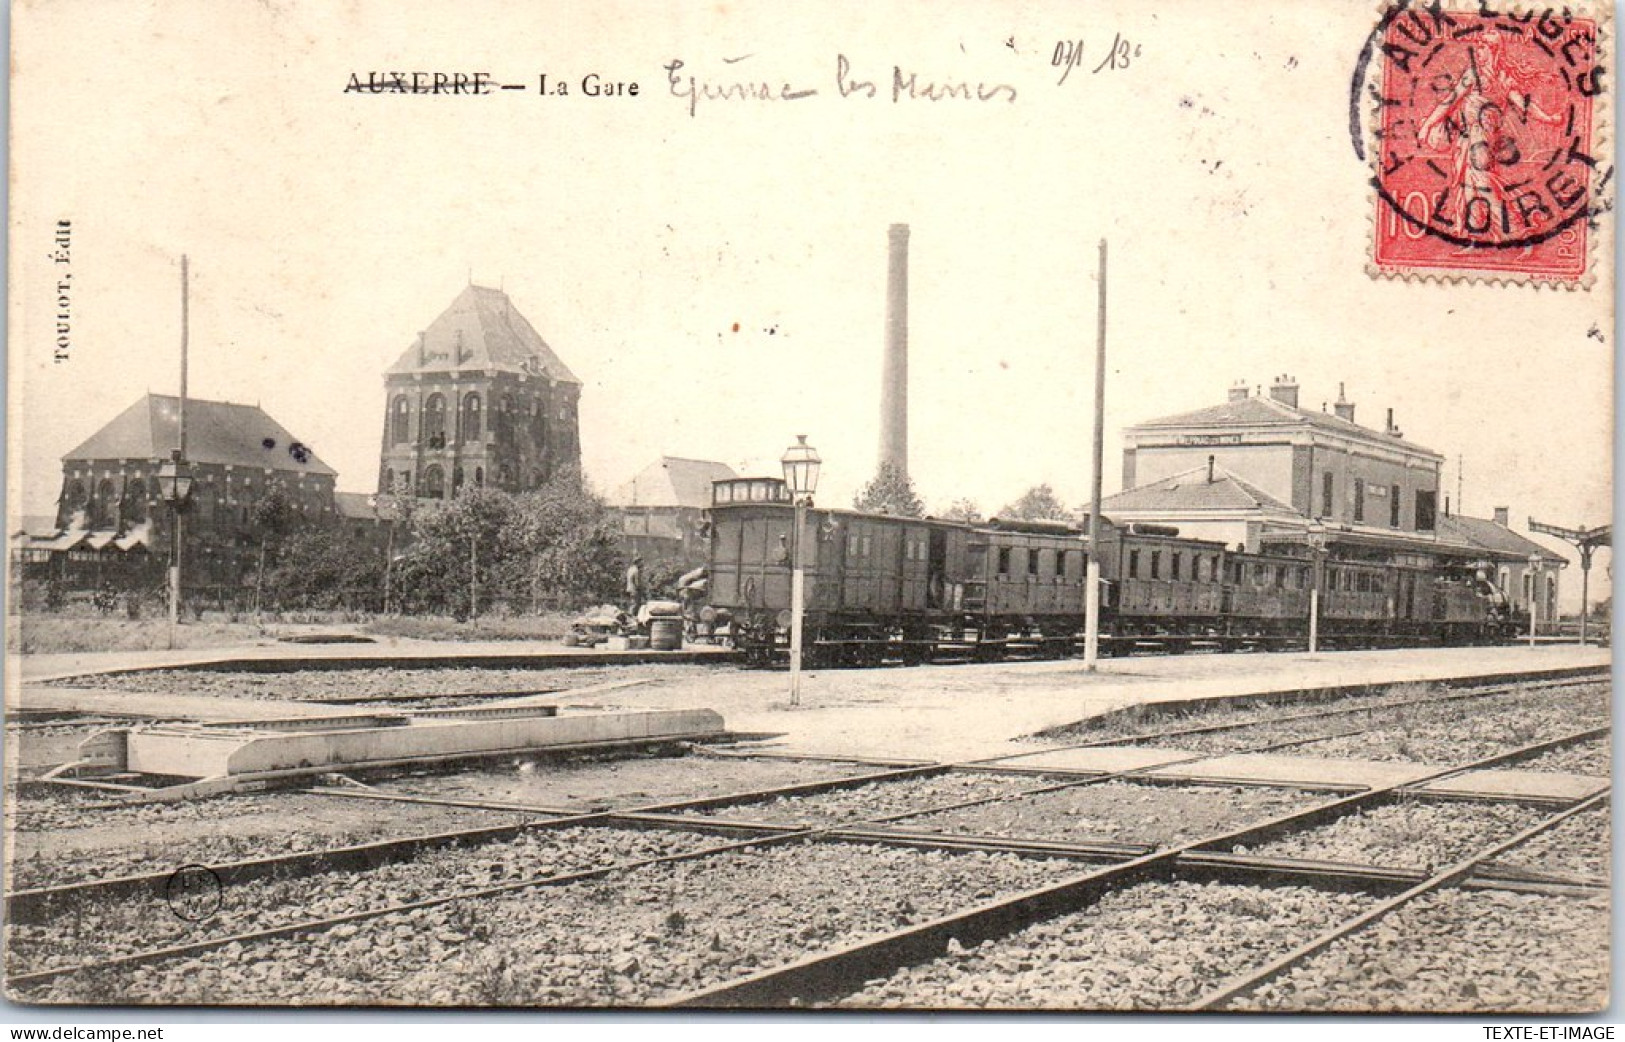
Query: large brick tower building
x,y
479,399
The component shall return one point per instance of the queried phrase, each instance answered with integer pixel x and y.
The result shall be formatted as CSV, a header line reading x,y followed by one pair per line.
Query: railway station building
x,y
113,527
479,399
1257,471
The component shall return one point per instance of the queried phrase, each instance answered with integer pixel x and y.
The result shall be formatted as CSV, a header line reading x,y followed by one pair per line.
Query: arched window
x,y
135,501
479,477
456,480
434,421
506,430
469,429
538,428
400,420
434,481
104,512
73,497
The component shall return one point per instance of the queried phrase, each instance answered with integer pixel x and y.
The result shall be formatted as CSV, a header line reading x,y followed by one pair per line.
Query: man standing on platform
x,y
634,586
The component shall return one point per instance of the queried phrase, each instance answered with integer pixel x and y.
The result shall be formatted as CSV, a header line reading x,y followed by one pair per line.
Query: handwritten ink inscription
x,y
903,85
1069,54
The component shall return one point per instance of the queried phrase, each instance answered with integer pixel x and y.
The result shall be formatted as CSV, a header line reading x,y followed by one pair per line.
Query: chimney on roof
x,y
1285,391
1238,393
1393,431
894,372
423,356
1503,516
1343,407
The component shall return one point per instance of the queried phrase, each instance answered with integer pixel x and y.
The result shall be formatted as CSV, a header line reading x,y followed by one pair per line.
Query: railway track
x,y
1114,865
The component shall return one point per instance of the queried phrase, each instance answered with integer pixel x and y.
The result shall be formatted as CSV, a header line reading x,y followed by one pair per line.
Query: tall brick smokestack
x,y
894,372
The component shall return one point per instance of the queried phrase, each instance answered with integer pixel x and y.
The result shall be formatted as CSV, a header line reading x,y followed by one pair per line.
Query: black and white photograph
x,y
867,508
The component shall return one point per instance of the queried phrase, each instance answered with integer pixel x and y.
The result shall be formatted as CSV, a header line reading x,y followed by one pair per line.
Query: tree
x,y
558,545
891,492
272,517
320,569
964,510
457,550
570,543
1039,503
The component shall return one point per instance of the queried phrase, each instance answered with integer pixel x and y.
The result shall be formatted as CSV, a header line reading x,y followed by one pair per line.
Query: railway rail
x,y
1112,865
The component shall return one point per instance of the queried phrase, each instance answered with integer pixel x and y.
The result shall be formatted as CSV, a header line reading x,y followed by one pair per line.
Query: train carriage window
x,y
1134,564
1156,564
1175,560
1004,560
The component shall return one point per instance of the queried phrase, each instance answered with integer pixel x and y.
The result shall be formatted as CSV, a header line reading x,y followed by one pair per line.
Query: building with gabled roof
x,y
111,524
1321,463
1206,502
663,508
479,399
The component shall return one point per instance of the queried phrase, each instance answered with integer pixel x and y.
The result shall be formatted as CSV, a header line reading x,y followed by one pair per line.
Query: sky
x,y
325,229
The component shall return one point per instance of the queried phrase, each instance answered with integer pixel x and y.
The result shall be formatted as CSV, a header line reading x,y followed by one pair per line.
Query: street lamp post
x,y
800,463
1317,547
174,487
1534,595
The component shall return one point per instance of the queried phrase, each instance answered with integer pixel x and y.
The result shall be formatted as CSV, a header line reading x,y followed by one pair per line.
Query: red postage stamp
x,y
1482,130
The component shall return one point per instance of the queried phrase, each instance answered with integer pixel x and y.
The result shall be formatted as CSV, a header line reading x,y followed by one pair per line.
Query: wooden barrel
x,y
665,634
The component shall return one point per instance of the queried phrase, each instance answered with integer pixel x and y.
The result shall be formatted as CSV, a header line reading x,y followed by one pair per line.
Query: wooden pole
x,y
178,545
1091,617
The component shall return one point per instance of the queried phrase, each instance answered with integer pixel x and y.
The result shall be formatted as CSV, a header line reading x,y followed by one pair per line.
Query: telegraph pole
x,y
1586,540
1091,611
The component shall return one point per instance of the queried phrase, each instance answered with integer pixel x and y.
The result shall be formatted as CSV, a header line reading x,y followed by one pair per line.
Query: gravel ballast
x,y
584,785
628,939
1594,758
63,843
877,799
1407,834
1480,951
382,683
1450,732
1148,947
1121,812
127,924
1582,846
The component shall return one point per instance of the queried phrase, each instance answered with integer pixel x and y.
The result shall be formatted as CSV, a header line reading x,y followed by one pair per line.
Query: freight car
x,y
882,588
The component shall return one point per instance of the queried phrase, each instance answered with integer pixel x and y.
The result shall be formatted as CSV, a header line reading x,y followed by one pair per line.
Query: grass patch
x,y
36,634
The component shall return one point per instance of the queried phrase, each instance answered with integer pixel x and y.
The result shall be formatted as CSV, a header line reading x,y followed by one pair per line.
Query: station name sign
x,y
1210,439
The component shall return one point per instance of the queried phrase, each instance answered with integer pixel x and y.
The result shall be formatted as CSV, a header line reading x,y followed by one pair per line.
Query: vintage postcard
x,y
956,506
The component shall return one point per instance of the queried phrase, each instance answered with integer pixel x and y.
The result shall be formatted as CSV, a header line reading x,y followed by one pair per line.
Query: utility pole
x,y
1586,540
1091,610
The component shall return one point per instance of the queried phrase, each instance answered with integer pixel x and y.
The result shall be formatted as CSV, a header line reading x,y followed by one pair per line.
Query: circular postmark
x,y
194,892
1479,127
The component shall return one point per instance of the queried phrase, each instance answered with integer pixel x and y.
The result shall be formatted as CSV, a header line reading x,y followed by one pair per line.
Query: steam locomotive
x,y
881,588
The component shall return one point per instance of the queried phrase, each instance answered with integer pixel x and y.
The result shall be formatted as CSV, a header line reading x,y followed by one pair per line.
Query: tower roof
x,y
483,330
216,432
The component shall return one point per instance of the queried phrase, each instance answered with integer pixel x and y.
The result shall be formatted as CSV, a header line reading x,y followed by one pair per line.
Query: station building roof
x,y
1496,538
216,432
672,481
1261,411
483,330
1192,491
